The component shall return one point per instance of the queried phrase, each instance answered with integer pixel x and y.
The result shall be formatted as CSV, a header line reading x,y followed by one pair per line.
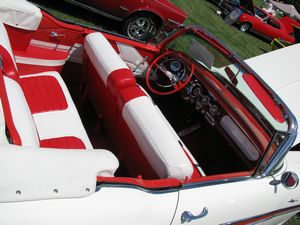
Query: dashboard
x,y
203,101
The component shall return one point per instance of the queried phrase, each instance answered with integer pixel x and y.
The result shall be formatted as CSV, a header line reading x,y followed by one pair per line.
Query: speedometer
x,y
175,66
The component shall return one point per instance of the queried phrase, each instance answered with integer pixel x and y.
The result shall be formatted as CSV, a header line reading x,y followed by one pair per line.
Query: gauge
x,y
205,100
193,89
175,66
214,110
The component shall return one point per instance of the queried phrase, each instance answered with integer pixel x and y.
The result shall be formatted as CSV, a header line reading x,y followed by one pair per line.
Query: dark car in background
x,y
140,19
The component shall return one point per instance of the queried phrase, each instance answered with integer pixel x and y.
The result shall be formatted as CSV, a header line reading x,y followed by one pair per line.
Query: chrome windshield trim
x,y
284,147
291,120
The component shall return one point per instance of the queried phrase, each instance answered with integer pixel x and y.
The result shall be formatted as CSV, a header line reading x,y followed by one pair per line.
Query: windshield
x,y
225,65
242,82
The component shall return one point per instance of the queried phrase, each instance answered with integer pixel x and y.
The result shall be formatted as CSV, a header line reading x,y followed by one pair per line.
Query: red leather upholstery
x,y
43,94
46,115
63,142
105,71
14,135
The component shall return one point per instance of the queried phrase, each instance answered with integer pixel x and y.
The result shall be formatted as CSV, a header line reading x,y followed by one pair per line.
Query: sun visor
x,y
20,13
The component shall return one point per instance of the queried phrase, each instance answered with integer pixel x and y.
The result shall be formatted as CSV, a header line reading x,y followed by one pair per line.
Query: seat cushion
x,y
63,142
43,93
54,113
156,140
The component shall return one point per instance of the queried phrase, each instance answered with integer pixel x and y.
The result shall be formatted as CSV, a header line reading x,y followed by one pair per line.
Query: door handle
x,y
53,34
187,216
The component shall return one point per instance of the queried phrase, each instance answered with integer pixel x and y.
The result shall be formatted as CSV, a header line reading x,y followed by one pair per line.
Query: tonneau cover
x,y
28,174
20,13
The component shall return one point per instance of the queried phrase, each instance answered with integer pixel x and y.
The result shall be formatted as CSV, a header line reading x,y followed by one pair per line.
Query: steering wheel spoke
x,y
168,73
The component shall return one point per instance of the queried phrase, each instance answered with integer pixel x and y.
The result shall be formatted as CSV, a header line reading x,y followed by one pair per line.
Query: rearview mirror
x,y
230,74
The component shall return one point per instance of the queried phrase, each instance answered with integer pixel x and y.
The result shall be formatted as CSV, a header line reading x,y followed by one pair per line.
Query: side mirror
x,y
289,180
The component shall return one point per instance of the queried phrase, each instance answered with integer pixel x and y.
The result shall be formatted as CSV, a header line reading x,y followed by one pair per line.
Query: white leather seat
x,y
156,140
151,131
62,122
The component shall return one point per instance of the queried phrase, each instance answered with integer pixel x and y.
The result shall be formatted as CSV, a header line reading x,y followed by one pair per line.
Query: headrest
x,y
103,56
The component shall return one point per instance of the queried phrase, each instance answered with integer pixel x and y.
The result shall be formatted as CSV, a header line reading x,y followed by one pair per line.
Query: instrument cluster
x,y
203,100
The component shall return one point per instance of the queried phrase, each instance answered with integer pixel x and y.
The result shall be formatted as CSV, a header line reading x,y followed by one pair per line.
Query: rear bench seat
x,y
142,134
41,108
37,111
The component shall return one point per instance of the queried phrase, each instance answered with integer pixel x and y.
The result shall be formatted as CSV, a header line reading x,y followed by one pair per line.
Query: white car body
x,y
48,185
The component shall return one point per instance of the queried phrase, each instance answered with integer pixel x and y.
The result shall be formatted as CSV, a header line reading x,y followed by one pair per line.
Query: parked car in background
x,y
278,43
140,19
267,25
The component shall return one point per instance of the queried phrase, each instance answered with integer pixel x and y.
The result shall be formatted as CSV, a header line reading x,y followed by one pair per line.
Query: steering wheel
x,y
167,75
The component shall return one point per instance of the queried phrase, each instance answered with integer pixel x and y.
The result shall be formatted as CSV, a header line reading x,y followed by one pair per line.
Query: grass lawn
x,y
200,12
203,13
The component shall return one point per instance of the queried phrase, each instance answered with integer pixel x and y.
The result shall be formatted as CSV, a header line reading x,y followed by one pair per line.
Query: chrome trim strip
x,y
288,142
172,189
270,215
100,12
123,8
215,182
133,186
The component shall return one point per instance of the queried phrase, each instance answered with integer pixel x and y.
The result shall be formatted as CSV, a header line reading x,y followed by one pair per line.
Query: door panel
x,y
55,32
107,6
232,203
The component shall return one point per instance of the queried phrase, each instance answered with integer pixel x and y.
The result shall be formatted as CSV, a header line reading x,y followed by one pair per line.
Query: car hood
x,y
280,69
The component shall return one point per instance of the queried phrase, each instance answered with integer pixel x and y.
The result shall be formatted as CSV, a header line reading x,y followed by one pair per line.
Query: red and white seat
x,y
41,108
36,111
140,130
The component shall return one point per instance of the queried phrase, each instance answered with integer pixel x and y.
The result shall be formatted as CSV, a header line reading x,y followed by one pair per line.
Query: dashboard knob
x,y
196,91
205,100
214,110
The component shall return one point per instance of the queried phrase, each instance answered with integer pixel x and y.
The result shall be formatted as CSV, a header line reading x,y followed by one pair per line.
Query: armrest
x,y
35,173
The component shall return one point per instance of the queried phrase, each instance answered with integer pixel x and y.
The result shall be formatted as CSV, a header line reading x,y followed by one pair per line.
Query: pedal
x,y
189,130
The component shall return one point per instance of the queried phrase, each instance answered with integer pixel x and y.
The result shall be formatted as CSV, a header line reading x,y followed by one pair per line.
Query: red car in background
x,y
140,19
268,25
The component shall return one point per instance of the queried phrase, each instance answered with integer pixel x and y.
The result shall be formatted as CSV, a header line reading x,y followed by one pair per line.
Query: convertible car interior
x,y
162,117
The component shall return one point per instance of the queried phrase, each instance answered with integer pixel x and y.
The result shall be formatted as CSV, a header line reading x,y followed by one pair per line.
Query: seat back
x,y
142,135
8,59
18,118
156,140
106,73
